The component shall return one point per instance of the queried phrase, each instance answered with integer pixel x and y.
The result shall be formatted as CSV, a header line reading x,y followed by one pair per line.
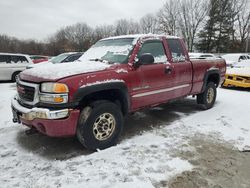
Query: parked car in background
x,y
39,58
12,64
233,60
61,58
201,56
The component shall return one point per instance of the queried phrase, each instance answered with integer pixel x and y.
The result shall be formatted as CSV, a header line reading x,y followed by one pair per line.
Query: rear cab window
x,y
176,50
156,49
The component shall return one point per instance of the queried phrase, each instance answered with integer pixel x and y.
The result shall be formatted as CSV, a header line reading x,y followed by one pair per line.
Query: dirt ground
x,y
216,164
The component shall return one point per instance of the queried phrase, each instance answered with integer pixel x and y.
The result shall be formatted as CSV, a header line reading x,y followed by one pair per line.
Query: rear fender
x,y
212,75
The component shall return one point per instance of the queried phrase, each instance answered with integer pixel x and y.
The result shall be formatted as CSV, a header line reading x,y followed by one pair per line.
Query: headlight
x,y
54,93
50,87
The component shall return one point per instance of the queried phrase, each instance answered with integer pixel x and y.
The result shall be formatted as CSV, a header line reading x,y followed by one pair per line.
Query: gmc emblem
x,y
20,89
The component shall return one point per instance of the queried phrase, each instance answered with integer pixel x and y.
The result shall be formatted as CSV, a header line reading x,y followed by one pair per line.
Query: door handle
x,y
168,70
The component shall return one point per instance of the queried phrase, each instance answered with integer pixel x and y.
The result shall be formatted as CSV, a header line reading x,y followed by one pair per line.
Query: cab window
x,y
156,49
176,50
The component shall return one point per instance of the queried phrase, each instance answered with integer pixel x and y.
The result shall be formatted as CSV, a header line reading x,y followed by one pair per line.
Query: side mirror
x,y
145,59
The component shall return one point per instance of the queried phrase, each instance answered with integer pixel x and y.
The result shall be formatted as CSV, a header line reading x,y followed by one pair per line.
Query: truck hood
x,y
53,72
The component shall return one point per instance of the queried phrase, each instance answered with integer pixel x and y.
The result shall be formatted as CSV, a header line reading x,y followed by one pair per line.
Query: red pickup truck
x,y
116,76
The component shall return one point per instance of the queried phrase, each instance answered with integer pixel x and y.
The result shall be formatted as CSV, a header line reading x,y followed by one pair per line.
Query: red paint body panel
x,y
147,85
56,128
200,67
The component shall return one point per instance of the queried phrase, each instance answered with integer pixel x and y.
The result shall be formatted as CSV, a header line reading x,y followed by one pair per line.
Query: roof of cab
x,y
137,36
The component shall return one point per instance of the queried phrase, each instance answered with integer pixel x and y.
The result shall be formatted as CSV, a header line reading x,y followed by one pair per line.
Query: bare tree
x,y
168,17
79,35
242,23
103,32
125,27
191,15
149,24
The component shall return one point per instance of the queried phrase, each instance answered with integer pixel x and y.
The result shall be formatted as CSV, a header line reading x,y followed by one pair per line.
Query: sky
x,y
37,19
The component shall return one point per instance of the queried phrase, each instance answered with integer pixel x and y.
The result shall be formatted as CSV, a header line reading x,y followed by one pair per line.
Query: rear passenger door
x,y
181,67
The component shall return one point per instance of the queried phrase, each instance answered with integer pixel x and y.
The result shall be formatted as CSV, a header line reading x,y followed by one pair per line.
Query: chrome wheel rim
x,y
104,126
210,95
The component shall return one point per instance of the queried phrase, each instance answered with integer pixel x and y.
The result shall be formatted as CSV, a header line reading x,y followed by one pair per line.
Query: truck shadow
x,y
162,115
135,124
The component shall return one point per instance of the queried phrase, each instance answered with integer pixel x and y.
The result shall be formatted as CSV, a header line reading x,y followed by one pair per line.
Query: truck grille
x,y
26,93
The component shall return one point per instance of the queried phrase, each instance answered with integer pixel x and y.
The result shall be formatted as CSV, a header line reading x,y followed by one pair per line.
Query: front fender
x,y
106,86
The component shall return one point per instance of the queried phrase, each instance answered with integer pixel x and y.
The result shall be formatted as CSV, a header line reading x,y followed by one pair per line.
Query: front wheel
x,y
208,97
100,125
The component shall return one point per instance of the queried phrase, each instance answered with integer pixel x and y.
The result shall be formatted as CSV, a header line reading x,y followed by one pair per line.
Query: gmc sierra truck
x,y
116,76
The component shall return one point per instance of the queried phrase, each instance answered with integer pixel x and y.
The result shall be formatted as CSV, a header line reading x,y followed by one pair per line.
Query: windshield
x,y
110,50
59,58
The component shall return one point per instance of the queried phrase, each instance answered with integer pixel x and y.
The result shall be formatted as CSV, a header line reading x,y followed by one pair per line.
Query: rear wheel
x,y
100,125
208,97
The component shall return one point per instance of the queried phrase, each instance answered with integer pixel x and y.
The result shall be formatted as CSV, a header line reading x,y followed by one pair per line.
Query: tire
x,y
14,76
100,125
208,97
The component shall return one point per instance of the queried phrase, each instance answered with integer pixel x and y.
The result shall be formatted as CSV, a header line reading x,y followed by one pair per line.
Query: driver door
x,y
155,78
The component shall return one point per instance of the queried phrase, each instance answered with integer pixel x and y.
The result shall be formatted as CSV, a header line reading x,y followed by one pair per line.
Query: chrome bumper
x,y
35,113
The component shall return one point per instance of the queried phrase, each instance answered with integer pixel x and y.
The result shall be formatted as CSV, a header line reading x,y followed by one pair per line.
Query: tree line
x,y
219,26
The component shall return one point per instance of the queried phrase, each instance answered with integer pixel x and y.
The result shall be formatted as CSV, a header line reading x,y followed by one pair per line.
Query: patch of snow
x,y
160,59
229,118
61,70
8,91
99,52
102,82
121,71
239,71
138,36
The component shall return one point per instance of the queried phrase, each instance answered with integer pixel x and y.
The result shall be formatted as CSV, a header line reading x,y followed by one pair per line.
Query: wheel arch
x,y
15,73
116,92
211,76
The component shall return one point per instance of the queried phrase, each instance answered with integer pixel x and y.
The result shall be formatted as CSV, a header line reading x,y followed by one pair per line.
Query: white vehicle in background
x,y
237,60
12,64
202,56
61,58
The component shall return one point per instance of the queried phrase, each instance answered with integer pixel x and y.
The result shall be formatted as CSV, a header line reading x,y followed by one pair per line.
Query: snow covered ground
x,y
144,156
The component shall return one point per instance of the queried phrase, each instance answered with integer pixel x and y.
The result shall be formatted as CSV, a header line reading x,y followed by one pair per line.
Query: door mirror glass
x,y
145,59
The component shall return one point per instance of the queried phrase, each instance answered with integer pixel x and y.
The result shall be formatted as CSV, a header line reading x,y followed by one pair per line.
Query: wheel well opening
x,y
214,78
114,95
14,75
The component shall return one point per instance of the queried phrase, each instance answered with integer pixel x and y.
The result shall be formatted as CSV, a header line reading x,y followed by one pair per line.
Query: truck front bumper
x,y
55,123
